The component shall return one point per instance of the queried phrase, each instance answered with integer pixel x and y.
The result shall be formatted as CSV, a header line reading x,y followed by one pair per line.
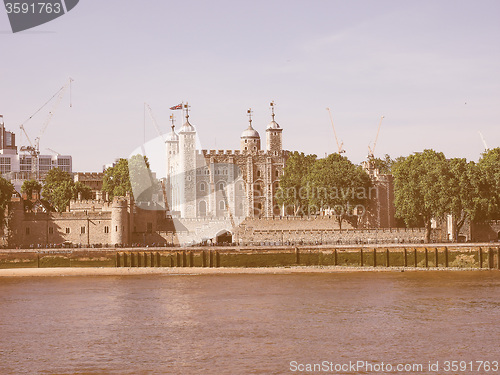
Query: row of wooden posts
x,y
177,259
413,253
212,258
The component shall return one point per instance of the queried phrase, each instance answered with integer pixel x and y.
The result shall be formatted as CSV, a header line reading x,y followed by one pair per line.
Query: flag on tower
x,y
178,106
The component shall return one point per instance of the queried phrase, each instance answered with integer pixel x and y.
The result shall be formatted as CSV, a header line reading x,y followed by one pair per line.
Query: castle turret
x,y
172,150
274,136
119,221
187,165
250,138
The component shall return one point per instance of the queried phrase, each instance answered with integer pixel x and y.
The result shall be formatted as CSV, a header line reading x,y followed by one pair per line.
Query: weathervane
x,y
172,118
272,109
249,114
186,107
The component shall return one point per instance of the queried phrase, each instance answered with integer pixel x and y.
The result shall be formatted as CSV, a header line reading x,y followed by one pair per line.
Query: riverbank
x,y
130,271
418,256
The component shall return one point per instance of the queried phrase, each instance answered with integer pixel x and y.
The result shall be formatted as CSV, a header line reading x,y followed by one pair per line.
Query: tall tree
x,y
489,183
6,191
462,191
131,176
419,182
293,185
58,189
337,185
116,181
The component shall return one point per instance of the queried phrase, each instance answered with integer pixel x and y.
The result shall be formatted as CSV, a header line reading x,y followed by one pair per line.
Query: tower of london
x,y
231,184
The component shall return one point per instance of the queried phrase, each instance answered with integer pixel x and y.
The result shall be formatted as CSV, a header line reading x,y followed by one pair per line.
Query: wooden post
x,y
374,257
297,255
172,263
446,256
211,259
415,254
158,260
361,257
406,257
490,258
203,258
436,259
217,259
426,258
335,262
117,260
480,256
184,259
37,260
191,259
177,259
387,257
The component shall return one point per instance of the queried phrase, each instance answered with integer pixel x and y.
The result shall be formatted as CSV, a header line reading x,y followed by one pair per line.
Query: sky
x,y
430,67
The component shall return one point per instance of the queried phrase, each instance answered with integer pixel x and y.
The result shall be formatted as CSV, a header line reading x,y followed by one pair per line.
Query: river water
x,y
249,324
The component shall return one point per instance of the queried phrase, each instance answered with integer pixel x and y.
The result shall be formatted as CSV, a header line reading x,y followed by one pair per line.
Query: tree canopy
x,y
59,188
332,185
131,176
6,191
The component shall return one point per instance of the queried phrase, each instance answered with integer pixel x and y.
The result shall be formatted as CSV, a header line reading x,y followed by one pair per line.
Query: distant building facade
x,y
18,167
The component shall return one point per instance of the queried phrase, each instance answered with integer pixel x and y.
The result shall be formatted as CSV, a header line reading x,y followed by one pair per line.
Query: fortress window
x,y
82,230
277,174
255,148
258,173
246,140
106,229
246,148
68,231
220,186
222,205
27,230
202,186
51,230
116,228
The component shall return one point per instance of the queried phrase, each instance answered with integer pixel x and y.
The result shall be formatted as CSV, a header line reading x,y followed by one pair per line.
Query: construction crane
x,y
339,145
34,147
54,151
155,123
371,151
486,148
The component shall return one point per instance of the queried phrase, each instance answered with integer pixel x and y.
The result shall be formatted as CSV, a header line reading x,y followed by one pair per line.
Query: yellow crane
x,y
34,148
339,145
371,151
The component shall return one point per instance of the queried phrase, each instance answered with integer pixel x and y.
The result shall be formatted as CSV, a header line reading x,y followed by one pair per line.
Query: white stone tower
x,y
250,138
274,136
187,166
172,150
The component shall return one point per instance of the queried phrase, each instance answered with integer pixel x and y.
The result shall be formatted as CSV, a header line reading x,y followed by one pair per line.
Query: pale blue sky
x,y
415,62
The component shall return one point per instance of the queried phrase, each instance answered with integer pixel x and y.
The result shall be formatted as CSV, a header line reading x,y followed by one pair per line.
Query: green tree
x,y
116,181
6,191
292,192
30,186
131,176
336,184
489,183
58,189
142,181
462,190
420,192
